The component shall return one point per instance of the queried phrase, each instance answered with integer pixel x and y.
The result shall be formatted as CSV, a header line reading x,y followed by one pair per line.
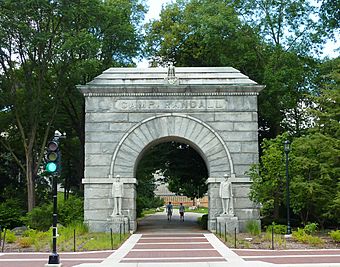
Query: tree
x,y
270,41
179,165
268,178
47,47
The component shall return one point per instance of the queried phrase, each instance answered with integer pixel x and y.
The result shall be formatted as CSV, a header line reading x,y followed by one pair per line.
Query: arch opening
x,y
171,170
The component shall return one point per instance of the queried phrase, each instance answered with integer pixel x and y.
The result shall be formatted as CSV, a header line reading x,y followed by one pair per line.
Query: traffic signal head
x,y
52,157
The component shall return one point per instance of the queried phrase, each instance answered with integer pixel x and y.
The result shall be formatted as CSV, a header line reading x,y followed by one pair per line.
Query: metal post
x,y
225,232
273,237
54,257
111,239
124,227
235,237
0,235
3,241
287,149
74,240
120,232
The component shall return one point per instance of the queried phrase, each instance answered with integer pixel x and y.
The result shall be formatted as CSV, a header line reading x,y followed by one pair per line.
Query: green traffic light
x,y
51,167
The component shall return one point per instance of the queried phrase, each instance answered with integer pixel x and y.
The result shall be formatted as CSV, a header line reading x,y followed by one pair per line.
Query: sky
x,y
155,7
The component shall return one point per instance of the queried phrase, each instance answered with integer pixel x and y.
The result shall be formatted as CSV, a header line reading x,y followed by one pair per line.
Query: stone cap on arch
x,y
156,80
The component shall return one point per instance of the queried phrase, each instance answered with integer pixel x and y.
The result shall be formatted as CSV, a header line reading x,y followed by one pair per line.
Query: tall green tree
x,y
177,164
270,41
47,47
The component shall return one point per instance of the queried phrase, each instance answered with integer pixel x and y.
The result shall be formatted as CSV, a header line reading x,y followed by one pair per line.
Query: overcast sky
x,y
155,7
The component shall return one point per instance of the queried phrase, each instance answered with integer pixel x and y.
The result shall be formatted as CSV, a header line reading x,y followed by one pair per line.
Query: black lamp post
x,y
287,150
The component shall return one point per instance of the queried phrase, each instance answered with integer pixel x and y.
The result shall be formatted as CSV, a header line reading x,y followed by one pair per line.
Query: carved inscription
x,y
202,104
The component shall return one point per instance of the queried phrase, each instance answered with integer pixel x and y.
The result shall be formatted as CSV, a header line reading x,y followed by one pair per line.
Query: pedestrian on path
x,y
181,212
169,211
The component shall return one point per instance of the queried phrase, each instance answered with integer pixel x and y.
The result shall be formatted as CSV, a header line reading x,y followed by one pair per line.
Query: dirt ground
x,y
264,241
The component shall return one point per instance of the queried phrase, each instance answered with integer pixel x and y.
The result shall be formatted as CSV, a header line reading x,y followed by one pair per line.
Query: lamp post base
x,y
53,261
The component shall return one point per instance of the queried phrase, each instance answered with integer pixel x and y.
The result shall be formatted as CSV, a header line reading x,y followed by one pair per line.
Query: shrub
x,y
335,235
204,221
253,227
10,237
40,218
10,214
310,228
25,242
69,211
279,229
301,236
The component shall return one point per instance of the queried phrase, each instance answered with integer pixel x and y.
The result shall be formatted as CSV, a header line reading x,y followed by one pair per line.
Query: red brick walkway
x,y
153,248
321,256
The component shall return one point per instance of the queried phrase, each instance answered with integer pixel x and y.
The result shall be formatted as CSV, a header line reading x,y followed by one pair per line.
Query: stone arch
x,y
197,133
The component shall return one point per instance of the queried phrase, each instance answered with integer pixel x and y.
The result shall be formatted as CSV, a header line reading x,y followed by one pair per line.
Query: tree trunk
x,y
30,182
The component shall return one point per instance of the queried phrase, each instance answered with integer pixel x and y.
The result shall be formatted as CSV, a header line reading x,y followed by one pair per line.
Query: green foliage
x,y
40,217
203,221
310,228
301,236
144,203
10,237
253,227
70,211
278,229
335,235
268,177
64,44
10,213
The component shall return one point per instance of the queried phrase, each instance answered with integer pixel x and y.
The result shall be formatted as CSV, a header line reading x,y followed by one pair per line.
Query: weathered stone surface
x,y
128,110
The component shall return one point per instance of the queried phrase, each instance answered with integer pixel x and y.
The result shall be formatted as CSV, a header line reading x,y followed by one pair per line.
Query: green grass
x,y
146,212
85,241
199,210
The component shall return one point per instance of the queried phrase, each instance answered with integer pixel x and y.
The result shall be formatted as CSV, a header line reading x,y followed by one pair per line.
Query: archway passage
x,y
179,171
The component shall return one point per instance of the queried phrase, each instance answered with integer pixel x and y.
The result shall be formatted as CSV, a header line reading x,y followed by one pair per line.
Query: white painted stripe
x,y
173,243
173,258
227,253
175,237
172,249
291,256
123,250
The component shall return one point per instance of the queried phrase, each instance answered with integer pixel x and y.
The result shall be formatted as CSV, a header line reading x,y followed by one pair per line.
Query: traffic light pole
x,y
53,259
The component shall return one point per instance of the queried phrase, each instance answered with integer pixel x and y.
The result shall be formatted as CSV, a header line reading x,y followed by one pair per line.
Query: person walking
x,y
169,208
181,212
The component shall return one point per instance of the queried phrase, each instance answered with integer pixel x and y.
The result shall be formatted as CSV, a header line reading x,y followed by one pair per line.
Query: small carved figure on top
x,y
171,78
171,70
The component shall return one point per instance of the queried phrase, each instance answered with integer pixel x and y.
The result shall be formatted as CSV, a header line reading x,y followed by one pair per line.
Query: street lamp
x,y
287,150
